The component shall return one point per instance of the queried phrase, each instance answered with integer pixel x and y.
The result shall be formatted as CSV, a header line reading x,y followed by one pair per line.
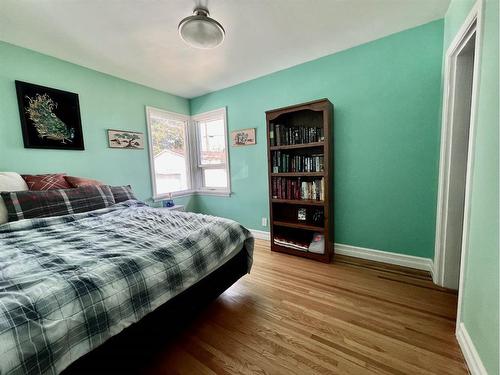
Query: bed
x,y
69,283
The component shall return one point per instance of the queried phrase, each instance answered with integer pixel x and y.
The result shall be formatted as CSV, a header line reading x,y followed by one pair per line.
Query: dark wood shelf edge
x,y
298,174
325,258
298,107
298,226
305,202
300,145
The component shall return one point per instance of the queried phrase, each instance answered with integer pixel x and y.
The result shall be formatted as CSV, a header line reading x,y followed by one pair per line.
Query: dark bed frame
x,y
134,349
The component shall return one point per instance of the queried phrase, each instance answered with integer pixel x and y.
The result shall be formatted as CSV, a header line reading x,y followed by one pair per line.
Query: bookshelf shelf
x,y
296,146
299,226
300,158
304,254
298,174
301,202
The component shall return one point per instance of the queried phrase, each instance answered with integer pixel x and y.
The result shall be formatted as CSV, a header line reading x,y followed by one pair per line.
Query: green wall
x,y
481,289
387,119
106,102
386,96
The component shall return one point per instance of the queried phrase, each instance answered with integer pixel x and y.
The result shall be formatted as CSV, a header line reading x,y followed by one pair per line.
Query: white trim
x,y
173,115
192,154
410,261
403,260
477,13
178,117
469,351
177,194
188,193
214,192
260,234
215,114
209,115
473,20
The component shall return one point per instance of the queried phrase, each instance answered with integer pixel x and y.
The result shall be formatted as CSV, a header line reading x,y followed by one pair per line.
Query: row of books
x,y
282,135
283,162
317,244
297,188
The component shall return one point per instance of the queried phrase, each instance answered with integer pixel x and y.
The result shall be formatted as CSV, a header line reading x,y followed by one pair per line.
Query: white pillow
x,y
10,181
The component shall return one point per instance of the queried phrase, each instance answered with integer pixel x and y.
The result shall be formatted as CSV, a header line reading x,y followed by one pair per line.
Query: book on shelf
x,y
291,244
302,214
297,188
316,246
284,162
282,135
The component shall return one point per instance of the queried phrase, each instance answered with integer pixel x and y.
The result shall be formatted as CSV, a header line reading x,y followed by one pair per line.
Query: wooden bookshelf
x,y
300,161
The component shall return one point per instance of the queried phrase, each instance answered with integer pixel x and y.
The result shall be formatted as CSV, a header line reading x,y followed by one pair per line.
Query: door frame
x,y
473,23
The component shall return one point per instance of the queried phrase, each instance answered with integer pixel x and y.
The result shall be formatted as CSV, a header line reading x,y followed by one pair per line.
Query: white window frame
x,y
186,120
199,168
194,167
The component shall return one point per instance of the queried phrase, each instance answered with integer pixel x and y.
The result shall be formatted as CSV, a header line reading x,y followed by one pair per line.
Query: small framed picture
x,y
243,137
125,139
302,214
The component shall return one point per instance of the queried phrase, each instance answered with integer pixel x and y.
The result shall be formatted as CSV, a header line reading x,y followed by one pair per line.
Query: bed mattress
x,y
69,283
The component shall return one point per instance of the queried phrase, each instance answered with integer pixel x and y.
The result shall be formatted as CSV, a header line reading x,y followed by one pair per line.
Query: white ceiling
x,y
137,39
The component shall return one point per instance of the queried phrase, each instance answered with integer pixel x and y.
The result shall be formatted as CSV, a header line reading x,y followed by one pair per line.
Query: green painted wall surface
x,y
387,98
481,289
106,102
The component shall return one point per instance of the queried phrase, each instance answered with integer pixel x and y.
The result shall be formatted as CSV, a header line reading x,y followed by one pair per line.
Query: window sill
x,y
187,193
219,193
177,194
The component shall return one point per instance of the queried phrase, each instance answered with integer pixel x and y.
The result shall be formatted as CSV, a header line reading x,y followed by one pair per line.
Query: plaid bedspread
x,y
69,283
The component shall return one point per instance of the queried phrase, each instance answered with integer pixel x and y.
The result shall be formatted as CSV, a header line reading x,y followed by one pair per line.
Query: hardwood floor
x,y
296,316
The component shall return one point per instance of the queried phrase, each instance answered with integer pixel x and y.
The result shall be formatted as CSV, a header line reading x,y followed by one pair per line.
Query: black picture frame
x,y
50,118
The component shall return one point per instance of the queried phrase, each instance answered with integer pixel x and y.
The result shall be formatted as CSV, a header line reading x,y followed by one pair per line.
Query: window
x,y
168,138
212,150
188,155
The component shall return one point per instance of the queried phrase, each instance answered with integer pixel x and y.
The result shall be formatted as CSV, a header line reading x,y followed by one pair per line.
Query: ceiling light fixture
x,y
201,31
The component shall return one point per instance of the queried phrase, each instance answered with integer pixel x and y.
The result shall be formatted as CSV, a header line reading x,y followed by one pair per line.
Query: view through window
x,y
170,161
188,154
212,146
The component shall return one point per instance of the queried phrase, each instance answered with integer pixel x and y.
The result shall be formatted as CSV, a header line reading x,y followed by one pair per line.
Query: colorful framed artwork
x,y
125,139
50,118
243,137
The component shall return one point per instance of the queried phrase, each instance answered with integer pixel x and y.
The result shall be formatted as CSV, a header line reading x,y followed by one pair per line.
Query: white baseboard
x,y
469,351
260,234
410,261
403,260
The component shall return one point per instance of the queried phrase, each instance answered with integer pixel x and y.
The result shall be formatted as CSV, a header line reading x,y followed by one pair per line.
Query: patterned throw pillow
x,y
32,204
9,181
81,181
46,181
122,193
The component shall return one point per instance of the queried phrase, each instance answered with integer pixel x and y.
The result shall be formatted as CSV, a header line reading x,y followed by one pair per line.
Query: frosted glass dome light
x,y
201,31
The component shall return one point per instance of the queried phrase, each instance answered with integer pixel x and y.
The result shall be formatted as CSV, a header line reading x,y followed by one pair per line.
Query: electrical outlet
x,y
264,221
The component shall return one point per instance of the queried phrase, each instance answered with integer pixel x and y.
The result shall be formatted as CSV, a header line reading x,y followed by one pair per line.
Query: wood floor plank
x,y
297,316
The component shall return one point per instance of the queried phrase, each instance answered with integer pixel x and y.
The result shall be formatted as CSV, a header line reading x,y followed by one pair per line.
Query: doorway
x,y
457,144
